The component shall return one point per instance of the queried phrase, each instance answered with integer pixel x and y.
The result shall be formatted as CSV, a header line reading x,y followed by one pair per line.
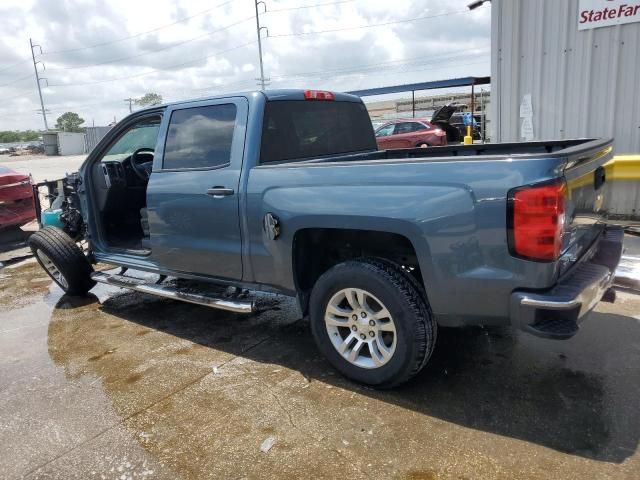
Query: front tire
x,y
372,322
63,260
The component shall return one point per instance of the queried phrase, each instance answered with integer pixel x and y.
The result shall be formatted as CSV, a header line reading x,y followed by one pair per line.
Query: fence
x,y
93,136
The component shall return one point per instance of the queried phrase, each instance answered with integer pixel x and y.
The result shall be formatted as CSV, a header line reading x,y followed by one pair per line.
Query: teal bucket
x,y
51,218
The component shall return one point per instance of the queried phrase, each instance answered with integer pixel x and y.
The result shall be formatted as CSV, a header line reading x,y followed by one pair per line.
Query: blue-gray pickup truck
x,y
284,191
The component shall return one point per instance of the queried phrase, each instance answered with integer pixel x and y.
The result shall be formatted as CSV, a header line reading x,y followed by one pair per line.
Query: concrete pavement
x,y
42,167
122,385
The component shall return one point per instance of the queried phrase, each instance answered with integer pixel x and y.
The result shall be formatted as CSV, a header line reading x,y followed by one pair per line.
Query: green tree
x,y
149,99
9,136
29,136
69,122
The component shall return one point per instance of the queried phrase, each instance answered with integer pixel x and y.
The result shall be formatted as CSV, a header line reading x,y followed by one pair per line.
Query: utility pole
x,y
258,30
130,100
35,67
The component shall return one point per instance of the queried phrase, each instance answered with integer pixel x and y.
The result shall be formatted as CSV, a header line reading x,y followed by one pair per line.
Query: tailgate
x,y
585,215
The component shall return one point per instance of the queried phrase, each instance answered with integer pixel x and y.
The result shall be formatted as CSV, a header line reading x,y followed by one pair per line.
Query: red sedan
x,y
409,133
16,198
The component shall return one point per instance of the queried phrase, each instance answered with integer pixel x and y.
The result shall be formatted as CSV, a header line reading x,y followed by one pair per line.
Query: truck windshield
x,y
302,129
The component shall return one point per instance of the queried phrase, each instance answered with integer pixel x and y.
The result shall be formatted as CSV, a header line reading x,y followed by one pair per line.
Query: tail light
x,y
439,133
318,95
536,221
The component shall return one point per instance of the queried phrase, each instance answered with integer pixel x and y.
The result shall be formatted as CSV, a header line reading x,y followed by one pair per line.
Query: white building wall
x,y
71,143
582,83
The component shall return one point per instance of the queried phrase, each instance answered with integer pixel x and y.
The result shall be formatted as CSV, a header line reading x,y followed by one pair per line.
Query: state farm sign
x,y
604,13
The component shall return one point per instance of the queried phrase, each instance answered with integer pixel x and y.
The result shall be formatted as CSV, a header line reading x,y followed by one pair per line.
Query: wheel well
x,y
316,250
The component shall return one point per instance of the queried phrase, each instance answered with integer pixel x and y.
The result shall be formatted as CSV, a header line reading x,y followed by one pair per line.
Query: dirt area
x,y
120,385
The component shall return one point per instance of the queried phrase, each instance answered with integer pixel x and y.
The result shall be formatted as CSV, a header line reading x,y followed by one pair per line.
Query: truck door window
x,y
200,137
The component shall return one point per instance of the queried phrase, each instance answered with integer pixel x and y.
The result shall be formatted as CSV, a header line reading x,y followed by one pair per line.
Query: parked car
x,y
457,120
409,133
286,191
16,198
450,119
7,150
378,123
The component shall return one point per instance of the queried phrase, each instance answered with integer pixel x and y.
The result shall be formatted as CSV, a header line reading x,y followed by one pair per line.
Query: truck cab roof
x,y
271,95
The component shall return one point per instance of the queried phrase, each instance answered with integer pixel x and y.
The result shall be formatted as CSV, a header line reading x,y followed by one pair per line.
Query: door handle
x,y
219,192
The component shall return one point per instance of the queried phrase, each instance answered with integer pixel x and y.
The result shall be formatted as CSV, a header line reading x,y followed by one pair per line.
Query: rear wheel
x,y
372,322
422,145
63,260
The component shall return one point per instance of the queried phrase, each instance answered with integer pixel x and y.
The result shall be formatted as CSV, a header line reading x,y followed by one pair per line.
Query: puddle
x,y
128,383
628,272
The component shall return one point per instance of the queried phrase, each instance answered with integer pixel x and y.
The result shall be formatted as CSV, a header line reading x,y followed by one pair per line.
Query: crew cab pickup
x,y
284,191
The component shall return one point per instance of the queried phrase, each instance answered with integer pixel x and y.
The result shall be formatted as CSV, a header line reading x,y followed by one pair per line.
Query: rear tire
x,y
372,322
63,260
422,145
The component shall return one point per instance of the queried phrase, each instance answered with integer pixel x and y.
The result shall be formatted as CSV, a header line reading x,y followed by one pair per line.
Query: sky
x,y
94,53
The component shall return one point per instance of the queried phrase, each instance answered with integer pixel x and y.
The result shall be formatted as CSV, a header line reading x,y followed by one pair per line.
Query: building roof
x,y
453,82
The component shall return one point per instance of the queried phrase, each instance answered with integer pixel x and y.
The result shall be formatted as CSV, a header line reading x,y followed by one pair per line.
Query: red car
x,y
16,198
409,133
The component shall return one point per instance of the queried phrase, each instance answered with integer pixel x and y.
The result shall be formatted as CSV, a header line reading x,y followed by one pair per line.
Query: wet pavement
x,y
122,385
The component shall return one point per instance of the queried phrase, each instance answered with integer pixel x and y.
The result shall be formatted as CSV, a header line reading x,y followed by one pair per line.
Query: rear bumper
x,y
557,312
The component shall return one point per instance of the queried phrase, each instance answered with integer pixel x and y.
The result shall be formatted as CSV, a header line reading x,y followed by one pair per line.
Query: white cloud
x,y
184,60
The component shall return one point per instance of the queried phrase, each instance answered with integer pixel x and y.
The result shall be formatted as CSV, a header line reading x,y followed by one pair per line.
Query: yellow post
x,y
468,139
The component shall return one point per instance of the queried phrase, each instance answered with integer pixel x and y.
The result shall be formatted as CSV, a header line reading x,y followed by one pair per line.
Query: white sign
x,y
604,13
526,114
526,107
526,129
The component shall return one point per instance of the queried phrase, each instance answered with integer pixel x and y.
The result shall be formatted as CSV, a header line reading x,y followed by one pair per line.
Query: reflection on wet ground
x,y
123,385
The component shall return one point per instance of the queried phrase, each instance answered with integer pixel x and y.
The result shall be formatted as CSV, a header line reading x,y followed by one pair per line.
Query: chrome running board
x,y
175,293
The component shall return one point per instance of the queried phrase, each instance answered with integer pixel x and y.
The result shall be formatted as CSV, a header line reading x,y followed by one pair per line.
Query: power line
x,y
119,59
61,107
360,69
152,71
363,67
424,68
16,80
110,42
371,25
223,85
162,49
168,47
370,66
286,9
9,67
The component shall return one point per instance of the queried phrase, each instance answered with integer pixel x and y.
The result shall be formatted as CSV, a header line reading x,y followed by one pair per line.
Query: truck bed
x,y
451,203
547,149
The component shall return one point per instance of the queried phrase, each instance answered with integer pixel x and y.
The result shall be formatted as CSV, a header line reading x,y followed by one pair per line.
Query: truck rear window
x,y
302,129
